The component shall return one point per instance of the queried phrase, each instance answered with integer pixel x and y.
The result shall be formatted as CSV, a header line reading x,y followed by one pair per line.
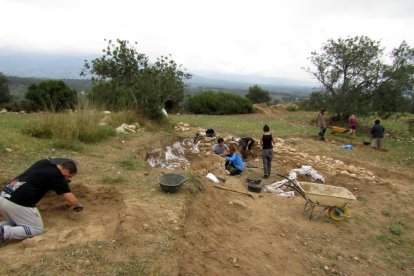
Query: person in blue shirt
x,y
234,162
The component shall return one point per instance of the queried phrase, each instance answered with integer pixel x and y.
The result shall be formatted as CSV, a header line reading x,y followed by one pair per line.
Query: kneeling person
x,y
234,162
19,197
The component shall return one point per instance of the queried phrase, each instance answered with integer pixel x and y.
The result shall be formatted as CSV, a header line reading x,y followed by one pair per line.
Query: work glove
x,y
78,208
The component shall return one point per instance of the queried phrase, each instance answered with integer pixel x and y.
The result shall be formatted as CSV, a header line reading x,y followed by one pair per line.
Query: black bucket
x,y
253,187
171,182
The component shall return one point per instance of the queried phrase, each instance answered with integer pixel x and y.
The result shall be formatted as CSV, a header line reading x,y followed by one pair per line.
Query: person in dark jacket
x,y
377,134
20,195
245,145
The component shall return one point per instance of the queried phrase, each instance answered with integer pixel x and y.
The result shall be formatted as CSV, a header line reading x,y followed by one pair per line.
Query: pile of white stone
x,y
125,128
174,156
182,127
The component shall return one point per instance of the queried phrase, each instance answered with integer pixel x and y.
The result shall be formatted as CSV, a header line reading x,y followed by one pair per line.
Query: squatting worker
x,y
19,197
220,148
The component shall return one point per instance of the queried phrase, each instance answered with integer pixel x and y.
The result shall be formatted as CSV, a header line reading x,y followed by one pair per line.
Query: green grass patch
x,y
131,163
362,198
395,229
67,145
113,180
386,213
292,123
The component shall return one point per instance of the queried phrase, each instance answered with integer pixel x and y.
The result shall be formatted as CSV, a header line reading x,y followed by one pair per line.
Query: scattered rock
x,y
146,227
106,119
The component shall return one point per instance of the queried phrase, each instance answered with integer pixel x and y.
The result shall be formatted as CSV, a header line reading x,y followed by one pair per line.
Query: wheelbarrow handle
x,y
294,186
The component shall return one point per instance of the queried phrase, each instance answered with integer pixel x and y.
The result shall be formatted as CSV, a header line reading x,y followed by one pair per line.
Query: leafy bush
x,y
51,95
219,104
292,107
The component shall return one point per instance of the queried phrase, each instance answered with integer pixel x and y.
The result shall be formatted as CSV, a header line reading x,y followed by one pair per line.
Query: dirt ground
x,y
129,226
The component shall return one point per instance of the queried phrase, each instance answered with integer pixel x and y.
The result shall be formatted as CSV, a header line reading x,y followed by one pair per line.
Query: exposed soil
x,y
129,225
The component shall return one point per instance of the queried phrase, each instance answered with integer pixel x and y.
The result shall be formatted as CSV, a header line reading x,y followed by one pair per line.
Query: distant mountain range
x,y
69,67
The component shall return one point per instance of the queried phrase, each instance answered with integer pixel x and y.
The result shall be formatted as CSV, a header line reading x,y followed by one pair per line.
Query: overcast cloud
x,y
263,37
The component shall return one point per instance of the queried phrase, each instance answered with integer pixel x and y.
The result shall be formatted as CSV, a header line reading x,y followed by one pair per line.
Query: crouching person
x,y
19,197
234,162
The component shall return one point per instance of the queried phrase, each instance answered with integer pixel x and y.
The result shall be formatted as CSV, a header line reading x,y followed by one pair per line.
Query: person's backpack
x,y
210,132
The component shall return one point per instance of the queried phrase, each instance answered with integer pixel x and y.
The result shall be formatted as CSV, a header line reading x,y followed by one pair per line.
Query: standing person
x,y
20,195
267,143
234,162
352,125
377,134
220,147
322,125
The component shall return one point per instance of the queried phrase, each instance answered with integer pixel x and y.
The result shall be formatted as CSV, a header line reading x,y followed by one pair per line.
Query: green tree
x,y
4,90
51,95
148,85
317,101
105,94
350,70
396,90
257,94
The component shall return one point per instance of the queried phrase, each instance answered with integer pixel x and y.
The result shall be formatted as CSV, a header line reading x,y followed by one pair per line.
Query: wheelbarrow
x,y
333,199
336,129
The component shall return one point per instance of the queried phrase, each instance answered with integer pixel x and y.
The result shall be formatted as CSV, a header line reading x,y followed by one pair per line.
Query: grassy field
x,y
28,137
18,142
399,140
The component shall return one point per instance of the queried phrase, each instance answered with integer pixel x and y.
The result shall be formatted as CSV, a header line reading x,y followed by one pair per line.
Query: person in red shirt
x,y
352,125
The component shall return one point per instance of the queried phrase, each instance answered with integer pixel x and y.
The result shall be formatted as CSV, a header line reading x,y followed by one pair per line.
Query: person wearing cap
x,y
20,195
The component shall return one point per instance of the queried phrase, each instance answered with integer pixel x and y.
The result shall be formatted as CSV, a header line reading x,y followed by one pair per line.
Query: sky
x,y
269,38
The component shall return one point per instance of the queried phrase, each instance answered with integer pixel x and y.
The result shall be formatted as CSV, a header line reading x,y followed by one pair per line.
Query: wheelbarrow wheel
x,y
338,213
